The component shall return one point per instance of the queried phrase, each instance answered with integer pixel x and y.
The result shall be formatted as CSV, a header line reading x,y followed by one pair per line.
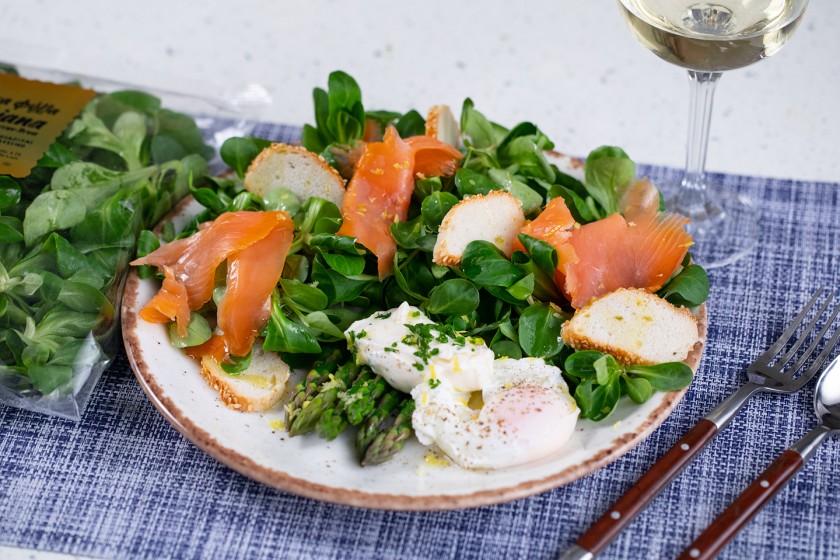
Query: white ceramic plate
x,y
255,444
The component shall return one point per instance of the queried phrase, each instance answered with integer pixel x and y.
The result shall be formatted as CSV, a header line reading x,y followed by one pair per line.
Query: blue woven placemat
x,y
123,483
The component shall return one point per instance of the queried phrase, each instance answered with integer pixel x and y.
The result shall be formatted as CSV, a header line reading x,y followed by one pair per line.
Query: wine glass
x,y
707,39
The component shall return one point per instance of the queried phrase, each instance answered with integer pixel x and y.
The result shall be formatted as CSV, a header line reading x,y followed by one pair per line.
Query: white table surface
x,y
570,66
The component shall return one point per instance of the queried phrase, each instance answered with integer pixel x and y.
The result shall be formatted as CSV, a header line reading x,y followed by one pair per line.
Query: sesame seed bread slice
x,y
441,124
304,173
495,217
635,326
259,387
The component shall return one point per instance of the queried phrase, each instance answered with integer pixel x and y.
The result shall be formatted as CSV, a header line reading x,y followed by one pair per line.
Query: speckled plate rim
x,y
280,480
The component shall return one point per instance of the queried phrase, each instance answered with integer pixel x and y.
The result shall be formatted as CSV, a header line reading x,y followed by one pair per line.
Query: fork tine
x,y
807,331
813,345
818,361
783,339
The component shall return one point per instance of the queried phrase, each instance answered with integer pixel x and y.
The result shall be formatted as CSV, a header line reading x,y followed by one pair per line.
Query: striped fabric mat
x,y
123,483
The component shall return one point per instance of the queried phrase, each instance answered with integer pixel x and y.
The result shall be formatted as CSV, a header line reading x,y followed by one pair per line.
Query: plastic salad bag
x,y
69,229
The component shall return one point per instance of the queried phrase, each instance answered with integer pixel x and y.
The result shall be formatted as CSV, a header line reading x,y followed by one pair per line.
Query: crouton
x,y
635,326
304,173
441,124
260,387
495,217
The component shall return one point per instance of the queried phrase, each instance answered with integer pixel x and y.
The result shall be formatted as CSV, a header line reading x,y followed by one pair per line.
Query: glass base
x,y
724,226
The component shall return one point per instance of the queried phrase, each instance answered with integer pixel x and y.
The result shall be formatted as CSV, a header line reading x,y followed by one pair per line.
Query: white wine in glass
x,y
707,39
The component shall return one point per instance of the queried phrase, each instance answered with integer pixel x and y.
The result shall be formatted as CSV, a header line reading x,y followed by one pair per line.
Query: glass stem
x,y
693,198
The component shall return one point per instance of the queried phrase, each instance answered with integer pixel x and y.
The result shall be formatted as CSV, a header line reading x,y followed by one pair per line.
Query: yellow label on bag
x,y
32,115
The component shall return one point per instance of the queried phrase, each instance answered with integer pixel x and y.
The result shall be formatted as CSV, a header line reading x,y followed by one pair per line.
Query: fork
x,y
765,374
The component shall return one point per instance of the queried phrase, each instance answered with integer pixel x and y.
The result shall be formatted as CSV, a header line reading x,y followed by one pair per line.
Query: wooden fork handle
x,y
622,512
745,506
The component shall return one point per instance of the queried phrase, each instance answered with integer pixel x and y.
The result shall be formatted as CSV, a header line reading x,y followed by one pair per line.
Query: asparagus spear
x,y
304,390
370,427
362,402
389,441
308,416
334,420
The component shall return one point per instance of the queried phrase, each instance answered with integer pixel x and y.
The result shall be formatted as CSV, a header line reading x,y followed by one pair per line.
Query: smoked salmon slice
x,y
616,253
433,158
380,191
255,244
252,274
194,259
640,249
554,225
169,304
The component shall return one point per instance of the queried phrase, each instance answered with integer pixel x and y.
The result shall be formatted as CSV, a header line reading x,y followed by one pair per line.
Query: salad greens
x,y
513,304
68,230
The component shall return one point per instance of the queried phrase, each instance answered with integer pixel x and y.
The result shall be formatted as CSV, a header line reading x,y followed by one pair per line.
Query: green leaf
x,y
52,211
62,321
524,147
506,348
338,287
413,234
689,288
541,252
11,230
130,129
183,129
239,152
638,389
147,242
481,133
345,265
607,170
282,334
237,364
321,323
528,198
304,295
345,120
469,182
523,287
669,376
198,332
339,243
596,404
453,297
411,124
607,369
9,192
49,378
539,331
581,364
578,207
435,206
166,148
83,297
282,199
484,264
318,216
137,100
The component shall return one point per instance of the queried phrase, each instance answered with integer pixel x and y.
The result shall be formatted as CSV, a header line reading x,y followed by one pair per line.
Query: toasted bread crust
x,y
256,183
676,330
432,118
445,255
234,397
280,148
226,392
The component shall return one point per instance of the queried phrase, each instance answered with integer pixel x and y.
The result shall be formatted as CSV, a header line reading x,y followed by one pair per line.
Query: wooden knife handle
x,y
745,506
622,512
